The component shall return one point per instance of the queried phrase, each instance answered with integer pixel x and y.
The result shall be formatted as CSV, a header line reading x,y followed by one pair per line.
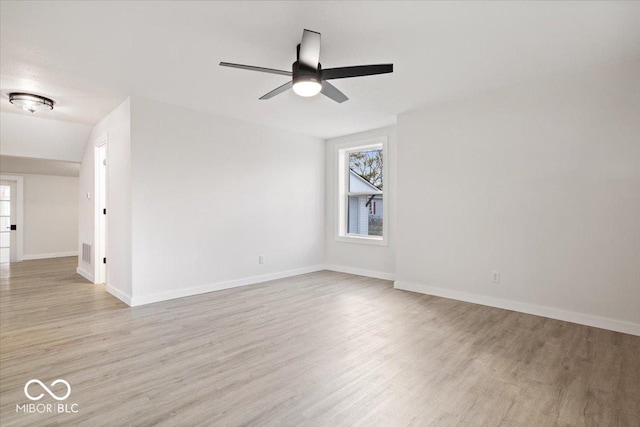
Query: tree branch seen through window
x,y
368,164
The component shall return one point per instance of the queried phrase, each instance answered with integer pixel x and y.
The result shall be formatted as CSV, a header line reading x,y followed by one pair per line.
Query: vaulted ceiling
x,y
89,56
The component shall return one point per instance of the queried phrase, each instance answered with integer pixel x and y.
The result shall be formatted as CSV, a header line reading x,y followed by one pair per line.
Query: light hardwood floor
x,y
322,349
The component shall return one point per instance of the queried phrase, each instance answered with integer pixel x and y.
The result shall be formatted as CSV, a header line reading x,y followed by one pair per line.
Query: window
x,y
362,216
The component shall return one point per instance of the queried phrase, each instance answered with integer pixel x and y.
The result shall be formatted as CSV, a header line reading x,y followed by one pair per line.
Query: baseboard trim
x,y
550,312
361,272
125,298
181,293
45,256
84,273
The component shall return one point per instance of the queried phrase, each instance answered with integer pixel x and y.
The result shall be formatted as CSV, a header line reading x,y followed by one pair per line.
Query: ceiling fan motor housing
x,y
302,73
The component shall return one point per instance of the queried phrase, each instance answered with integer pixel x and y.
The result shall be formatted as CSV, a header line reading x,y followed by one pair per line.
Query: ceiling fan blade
x,y
309,54
330,91
252,68
356,71
277,91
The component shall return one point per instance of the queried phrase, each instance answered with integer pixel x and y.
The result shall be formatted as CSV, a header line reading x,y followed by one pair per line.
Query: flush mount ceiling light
x,y
307,76
30,102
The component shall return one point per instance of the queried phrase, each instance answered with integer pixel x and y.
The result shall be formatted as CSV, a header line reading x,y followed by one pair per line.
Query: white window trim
x,y
342,153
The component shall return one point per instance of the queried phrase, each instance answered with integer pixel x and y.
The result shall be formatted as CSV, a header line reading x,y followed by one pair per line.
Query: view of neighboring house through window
x,y
365,193
361,192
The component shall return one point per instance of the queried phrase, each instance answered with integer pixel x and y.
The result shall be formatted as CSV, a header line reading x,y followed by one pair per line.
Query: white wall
x,y
50,221
541,183
211,194
116,127
27,135
360,258
31,166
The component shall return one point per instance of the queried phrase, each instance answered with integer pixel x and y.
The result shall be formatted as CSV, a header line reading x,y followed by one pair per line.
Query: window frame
x,y
342,162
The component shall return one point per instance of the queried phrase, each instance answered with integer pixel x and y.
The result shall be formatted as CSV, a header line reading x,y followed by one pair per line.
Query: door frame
x,y
100,202
19,212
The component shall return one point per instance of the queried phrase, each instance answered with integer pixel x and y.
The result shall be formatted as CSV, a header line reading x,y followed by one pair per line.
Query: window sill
x,y
376,241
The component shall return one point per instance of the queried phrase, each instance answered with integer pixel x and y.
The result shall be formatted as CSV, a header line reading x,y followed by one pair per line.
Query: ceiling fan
x,y
308,77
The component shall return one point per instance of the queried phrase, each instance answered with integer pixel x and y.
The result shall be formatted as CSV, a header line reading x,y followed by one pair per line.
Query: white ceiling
x,y
89,56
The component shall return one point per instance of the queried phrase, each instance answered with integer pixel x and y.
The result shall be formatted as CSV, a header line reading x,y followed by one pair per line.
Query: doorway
x,y
101,212
10,219
7,221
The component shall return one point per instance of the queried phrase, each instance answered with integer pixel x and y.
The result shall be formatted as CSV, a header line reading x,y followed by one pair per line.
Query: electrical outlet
x,y
260,259
495,276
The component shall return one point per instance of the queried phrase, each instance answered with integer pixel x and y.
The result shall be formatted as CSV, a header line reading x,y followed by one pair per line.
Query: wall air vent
x,y
86,253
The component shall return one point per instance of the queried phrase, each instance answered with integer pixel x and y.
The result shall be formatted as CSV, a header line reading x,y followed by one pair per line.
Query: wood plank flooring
x,y
321,349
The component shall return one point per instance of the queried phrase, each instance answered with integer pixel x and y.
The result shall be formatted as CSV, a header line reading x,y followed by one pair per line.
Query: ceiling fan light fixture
x,y
306,85
307,88
30,102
